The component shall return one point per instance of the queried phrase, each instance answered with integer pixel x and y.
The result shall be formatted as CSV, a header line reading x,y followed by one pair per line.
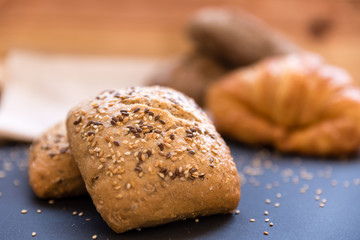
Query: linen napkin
x,y
40,88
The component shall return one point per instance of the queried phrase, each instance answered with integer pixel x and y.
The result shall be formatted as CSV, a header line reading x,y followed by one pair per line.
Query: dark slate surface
x,y
267,174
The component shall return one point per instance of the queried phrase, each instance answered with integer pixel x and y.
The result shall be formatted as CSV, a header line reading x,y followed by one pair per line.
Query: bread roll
x,y
53,172
149,155
296,103
190,73
236,38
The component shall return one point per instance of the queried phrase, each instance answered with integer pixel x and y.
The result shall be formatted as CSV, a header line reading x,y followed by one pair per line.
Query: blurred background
x,y
55,53
156,28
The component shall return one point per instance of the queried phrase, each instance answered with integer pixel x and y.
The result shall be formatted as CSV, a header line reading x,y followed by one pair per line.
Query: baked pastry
x,y
149,155
52,170
235,37
223,40
190,73
296,103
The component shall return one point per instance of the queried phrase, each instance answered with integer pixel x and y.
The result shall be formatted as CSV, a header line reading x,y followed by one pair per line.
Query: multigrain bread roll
x,y
149,155
190,73
296,103
52,170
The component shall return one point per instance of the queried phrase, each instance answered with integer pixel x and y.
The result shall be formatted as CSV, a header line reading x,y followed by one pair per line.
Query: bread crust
x,y
149,155
53,172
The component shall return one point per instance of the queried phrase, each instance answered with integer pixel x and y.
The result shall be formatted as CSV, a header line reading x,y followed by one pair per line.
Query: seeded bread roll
x,y
149,155
52,170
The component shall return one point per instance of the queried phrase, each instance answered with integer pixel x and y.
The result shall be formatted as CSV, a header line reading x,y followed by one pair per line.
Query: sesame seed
x,y
267,219
161,146
149,152
319,191
138,169
78,120
237,212
277,204
94,237
33,234
192,152
172,136
81,214
333,183
38,211
278,195
317,197
324,200
196,220
16,183
266,233
24,211
252,220
266,213
322,205
267,201
128,186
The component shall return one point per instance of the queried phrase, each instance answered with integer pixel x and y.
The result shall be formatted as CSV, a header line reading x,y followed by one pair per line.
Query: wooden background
x,y
156,27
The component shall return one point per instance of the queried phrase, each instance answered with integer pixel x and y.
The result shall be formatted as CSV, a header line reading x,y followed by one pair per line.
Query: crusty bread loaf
x,y
149,155
236,38
53,172
296,103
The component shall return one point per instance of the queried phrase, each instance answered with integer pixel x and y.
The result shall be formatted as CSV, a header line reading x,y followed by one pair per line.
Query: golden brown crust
x,y
296,103
149,155
52,171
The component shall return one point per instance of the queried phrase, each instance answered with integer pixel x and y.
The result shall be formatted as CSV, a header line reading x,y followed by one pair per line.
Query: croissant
x,y
296,103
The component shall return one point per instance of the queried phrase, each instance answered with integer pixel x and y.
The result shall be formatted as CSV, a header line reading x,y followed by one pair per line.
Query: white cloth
x,y
40,88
